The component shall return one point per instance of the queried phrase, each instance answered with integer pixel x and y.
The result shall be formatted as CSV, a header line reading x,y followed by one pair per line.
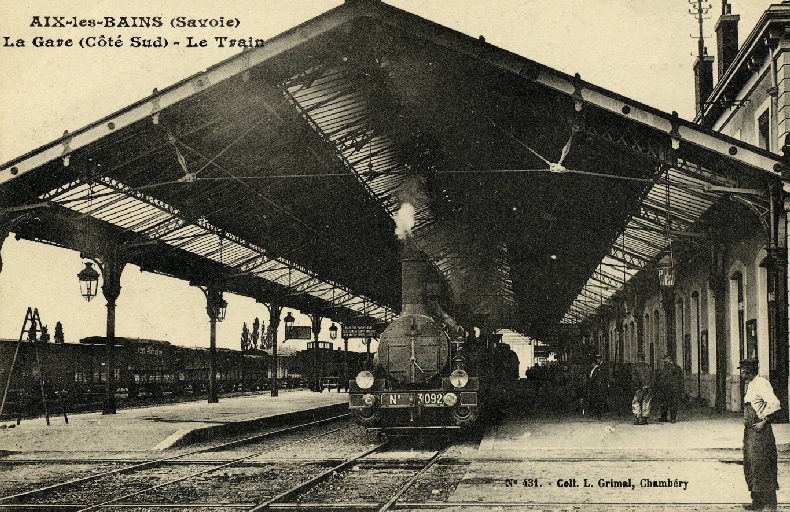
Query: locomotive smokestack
x,y
414,277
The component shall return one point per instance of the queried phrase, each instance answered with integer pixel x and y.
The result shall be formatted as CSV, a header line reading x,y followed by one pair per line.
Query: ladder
x,y
33,327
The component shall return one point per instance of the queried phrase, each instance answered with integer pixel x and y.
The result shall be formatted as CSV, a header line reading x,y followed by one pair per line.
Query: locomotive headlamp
x,y
368,399
450,399
365,379
459,378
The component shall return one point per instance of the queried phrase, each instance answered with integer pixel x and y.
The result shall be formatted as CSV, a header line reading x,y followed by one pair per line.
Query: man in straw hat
x,y
759,445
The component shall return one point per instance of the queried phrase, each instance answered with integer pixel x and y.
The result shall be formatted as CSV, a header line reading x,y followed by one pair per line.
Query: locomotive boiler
x,y
419,377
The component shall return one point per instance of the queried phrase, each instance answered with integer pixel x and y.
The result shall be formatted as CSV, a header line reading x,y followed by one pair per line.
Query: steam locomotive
x,y
428,372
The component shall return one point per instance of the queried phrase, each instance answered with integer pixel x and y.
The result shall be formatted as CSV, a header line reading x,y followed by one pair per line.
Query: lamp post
x,y
289,323
274,324
667,274
316,380
111,264
216,307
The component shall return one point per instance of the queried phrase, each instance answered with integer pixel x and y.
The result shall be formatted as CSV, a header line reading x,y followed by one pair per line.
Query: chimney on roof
x,y
726,37
703,79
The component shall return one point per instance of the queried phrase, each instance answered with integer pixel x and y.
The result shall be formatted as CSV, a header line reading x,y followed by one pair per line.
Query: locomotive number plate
x,y
426,399
430,398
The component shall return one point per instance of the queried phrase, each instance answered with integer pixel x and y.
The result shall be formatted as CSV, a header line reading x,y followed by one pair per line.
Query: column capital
x,y
111,268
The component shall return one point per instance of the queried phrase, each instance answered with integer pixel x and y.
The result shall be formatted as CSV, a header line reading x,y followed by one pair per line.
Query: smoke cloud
x,y
404,221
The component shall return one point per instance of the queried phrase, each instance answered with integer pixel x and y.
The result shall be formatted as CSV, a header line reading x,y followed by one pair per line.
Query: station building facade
x,y
729,301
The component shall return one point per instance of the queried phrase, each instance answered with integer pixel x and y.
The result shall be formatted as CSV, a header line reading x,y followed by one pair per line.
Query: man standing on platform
x,y
597,388
642,379
759,445
670,388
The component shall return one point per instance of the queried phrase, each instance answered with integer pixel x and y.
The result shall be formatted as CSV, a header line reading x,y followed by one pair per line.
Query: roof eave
x,y
774,15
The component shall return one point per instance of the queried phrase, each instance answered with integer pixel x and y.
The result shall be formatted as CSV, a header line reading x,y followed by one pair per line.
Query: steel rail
x,y
156,462
405,487
225,464
278,503
311,482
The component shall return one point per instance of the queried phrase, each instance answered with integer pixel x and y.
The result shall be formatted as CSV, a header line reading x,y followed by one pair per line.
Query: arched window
x,y
740,294
655,344
685,336
646,336
696,326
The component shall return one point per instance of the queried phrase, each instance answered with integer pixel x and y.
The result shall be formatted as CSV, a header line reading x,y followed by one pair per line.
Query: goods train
x,y
428,371
146,371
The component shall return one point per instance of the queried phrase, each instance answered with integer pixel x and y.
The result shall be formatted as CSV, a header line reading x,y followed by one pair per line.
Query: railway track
x,y
41,497
320,484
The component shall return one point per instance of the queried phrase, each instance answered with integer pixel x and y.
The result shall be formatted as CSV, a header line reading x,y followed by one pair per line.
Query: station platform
x,y
553,461
160,427
698,433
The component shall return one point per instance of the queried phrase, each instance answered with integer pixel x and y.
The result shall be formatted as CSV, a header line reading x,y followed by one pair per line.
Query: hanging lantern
x,y
666,271
333,331
289,323
89,281
222,309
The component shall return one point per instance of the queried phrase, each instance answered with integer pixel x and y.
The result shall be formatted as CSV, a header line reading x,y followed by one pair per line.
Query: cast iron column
x,y
213,302
316,321
274,321
639,310
668,302
346,373
777,302
619,347
111,267
717,282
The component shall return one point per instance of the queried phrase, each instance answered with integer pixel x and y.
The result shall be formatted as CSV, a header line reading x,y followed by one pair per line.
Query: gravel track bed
x,y
436,484
235,484
359,484
18,478
112,486
341,444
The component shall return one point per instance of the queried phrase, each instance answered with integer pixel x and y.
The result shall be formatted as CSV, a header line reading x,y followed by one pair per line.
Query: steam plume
x,y
404,221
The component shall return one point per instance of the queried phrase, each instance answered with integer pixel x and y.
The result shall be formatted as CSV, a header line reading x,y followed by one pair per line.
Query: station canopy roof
x,y
537,195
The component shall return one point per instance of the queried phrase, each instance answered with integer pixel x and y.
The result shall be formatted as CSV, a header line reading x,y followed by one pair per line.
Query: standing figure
x,y
642,382
759,445
597,388
670,387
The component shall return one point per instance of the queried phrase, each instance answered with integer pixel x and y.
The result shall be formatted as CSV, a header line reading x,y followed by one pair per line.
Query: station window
x,y
737,279
764,130
656,337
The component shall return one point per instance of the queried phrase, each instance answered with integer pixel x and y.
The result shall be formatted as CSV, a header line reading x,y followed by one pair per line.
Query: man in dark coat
x,y
759,445
642,382
670,388
598,387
